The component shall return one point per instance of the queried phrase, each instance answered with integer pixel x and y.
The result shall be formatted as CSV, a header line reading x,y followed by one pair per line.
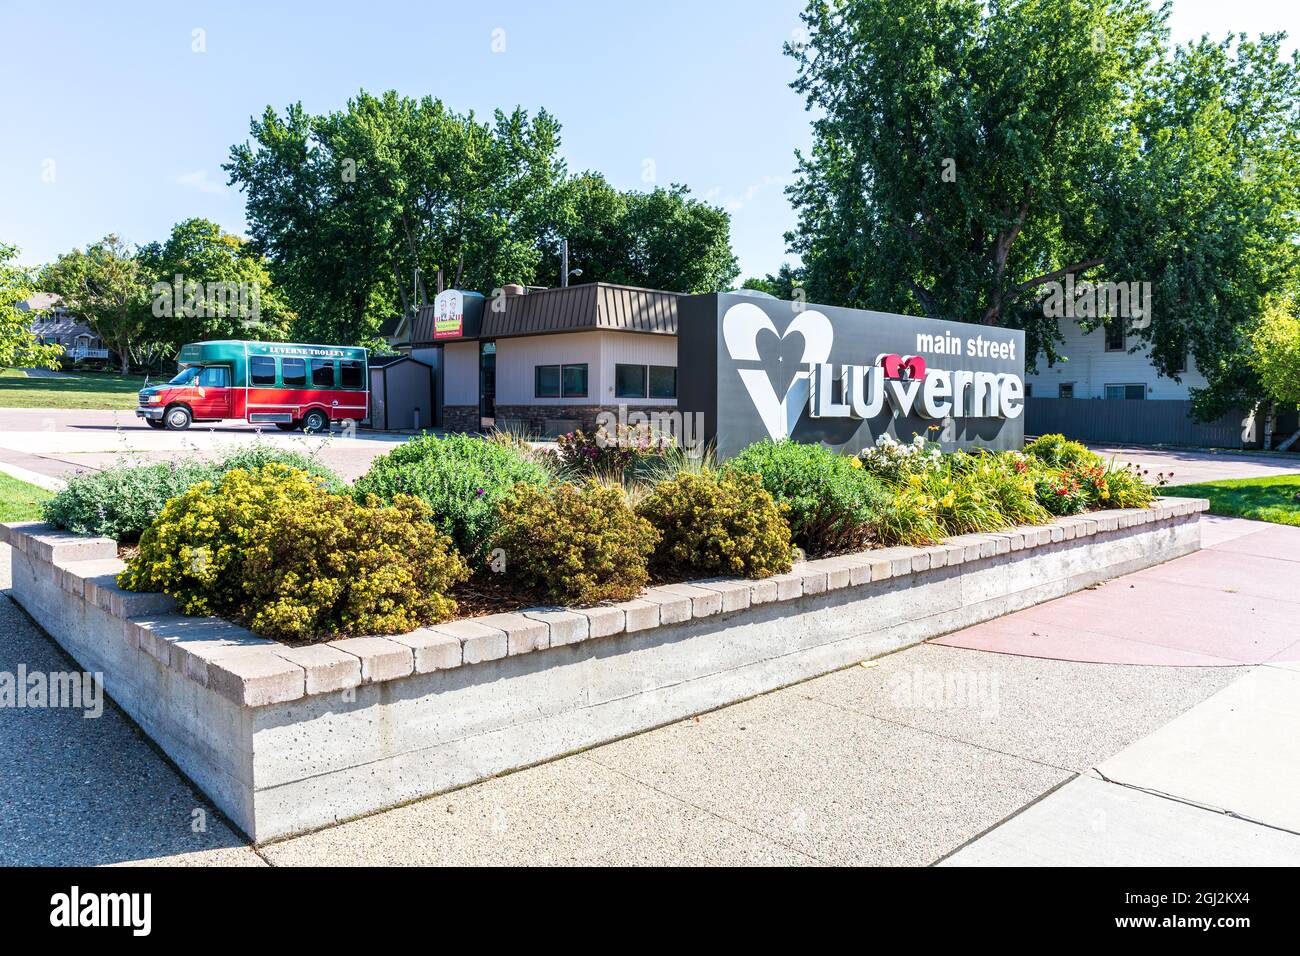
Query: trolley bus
x,y
284,384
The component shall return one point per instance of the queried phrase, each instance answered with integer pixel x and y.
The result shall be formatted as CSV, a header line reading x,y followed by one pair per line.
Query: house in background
x,y
1105,393
53,324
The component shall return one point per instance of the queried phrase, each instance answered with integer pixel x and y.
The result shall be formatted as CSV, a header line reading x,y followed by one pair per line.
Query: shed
x,y
401,394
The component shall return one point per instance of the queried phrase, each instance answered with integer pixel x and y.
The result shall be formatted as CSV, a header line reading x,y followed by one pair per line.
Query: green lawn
x,y
1261,499
20,501
76,390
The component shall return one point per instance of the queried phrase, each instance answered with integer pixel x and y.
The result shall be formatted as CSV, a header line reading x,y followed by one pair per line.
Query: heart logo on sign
x,y
740,330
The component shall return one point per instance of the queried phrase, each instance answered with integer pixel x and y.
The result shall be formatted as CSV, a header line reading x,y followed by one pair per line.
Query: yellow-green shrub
x,y
717,523
274,550
1056,451
574,544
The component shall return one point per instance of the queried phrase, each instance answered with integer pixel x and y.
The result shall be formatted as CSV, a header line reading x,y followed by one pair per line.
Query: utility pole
x,y
564,263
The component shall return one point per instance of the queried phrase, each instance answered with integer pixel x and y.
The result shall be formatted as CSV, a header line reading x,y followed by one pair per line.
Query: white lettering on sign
x,y
932,393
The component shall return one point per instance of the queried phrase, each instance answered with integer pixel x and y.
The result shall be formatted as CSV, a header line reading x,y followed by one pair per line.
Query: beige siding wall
x,y
626,349
460,373
516,359
1091,368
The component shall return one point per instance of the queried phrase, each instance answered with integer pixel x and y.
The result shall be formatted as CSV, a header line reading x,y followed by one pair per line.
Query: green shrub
x,y
1008,480
574,544
120,502
1127,488
1060,492
628,450
1056,451
908,518
963,504
717,523
260,453
272,549
834,504
462,480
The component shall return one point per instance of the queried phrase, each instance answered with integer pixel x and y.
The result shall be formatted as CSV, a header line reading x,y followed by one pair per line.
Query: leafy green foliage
x,y
122,501
18,347
960,165
574,544
462,479
661,239
202,254
717,523
1056,451
1275,350
109,288
274,550
833,503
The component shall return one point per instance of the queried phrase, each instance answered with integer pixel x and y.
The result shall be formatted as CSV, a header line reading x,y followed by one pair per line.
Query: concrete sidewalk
x,y
1216,786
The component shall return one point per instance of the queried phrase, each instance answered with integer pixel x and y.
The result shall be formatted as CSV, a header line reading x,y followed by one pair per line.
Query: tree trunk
x,y
1286,445
1268,425
125,355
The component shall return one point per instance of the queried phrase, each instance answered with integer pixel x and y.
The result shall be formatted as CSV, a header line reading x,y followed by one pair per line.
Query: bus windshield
x,y
186,376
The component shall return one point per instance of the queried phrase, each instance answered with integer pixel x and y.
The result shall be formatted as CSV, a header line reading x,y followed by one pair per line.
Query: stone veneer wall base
x,y
286,740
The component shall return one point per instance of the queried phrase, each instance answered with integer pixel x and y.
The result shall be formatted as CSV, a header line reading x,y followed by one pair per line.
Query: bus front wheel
x,y
178,418
315,421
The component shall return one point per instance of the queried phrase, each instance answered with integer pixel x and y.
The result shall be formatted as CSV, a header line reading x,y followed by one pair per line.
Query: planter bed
x,y
285,739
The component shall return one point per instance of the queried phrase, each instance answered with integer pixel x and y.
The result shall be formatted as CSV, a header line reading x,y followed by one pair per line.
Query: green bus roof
x,y
197,353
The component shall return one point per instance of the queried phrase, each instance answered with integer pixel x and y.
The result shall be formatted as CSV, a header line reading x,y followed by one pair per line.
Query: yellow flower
x,y
914,481
855,462
948,500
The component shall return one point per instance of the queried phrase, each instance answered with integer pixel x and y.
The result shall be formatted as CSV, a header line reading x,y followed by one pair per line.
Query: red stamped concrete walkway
x,y
1237,601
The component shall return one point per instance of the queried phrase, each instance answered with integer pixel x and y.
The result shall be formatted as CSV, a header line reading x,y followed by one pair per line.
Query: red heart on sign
x,y
896,367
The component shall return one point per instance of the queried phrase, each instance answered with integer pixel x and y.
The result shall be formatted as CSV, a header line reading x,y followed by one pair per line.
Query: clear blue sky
x,y
110,101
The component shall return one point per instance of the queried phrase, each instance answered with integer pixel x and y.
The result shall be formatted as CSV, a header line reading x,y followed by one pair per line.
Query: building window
x,y
293,372
1115,335
350,374
546,381
1130,392
663,381
1065,390
262,370
322,373
573,381
642,381
560,381
1181,367
629,381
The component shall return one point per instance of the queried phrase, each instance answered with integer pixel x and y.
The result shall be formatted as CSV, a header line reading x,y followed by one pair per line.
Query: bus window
x,y
350,374
215,376
293,372
186,376
322,373
262,370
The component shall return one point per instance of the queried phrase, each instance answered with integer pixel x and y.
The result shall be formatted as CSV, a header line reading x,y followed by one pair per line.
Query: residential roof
x,y
593,306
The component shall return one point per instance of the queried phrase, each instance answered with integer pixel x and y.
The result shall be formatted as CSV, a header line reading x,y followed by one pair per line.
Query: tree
x,y
18,347
208,284
348,205
782,285
109,289
660,239
969,154
1274,341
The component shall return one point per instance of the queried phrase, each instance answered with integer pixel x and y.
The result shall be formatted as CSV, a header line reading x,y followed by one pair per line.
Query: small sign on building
x,y
448,314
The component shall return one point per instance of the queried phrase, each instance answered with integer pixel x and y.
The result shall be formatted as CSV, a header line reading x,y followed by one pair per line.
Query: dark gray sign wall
x,y
757,368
